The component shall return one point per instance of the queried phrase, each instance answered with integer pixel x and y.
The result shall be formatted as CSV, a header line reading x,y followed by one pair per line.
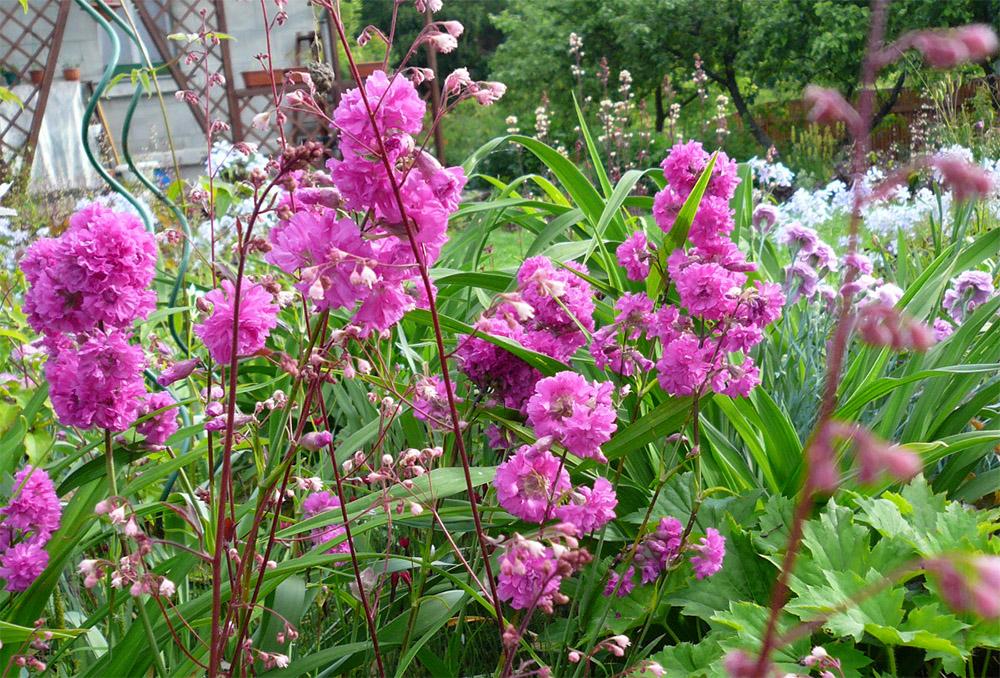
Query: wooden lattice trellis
x,y
185,16
31,40
37,37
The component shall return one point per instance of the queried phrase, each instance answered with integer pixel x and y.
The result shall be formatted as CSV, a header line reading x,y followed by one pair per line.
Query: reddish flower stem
x,y
438,337
838,345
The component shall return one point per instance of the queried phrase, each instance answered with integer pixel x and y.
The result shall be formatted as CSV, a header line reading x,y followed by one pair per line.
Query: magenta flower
x,y
684,366
96,273
575,412
658,549
491,367
589,509
634,255
711,549
685,163
328,252
620,585
162,425
634,313
257,319
608,353
34,506
430,402
530,484
179,370
559,298
529,576
322,502
98,384
398,109
21,564
709,291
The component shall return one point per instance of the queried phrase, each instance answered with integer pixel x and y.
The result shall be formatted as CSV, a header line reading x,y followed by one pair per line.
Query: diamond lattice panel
x,y
26,43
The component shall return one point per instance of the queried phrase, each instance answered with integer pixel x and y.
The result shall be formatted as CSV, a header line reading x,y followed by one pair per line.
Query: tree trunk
x,y
661,115
729,82
886,107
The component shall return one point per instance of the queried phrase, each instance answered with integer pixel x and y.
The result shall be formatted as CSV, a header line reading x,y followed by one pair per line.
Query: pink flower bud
x,y
453,28
316,440
177,371
964,179
457,80
827,106
979,40
940,50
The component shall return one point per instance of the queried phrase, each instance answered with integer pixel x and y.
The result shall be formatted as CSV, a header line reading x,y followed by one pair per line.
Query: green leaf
x,y
595,157
664,419
682,224
543,363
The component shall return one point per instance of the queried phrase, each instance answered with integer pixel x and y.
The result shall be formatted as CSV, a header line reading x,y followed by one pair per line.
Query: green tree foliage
x,y
747,45
477,44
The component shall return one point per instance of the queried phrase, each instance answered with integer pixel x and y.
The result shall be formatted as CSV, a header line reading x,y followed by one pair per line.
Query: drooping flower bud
x,y
316,440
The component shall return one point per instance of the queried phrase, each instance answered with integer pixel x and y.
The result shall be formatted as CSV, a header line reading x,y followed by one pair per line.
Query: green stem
x,y
109,459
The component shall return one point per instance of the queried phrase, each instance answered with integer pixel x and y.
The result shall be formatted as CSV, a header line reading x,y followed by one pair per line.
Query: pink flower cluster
x,y
545,314
430,402
322,502
531,483
96,381
531,572
87,287
96,274
705,340
534,485
576,413
162,422
257,317
659,550
681,168
612,346
28,521
373,267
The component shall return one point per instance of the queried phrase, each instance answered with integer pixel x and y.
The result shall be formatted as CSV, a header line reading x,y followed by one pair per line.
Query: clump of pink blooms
x,y
86,289
26,524
706,340
257,317
530,483
548,313
576,413
131,571
660,550
95,275
430,402
161,423
382,171
96,381
531,571
322,502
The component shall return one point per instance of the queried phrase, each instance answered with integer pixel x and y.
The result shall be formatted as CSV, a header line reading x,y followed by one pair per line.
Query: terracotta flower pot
x,y
366,68
261,78
71,74
37,77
